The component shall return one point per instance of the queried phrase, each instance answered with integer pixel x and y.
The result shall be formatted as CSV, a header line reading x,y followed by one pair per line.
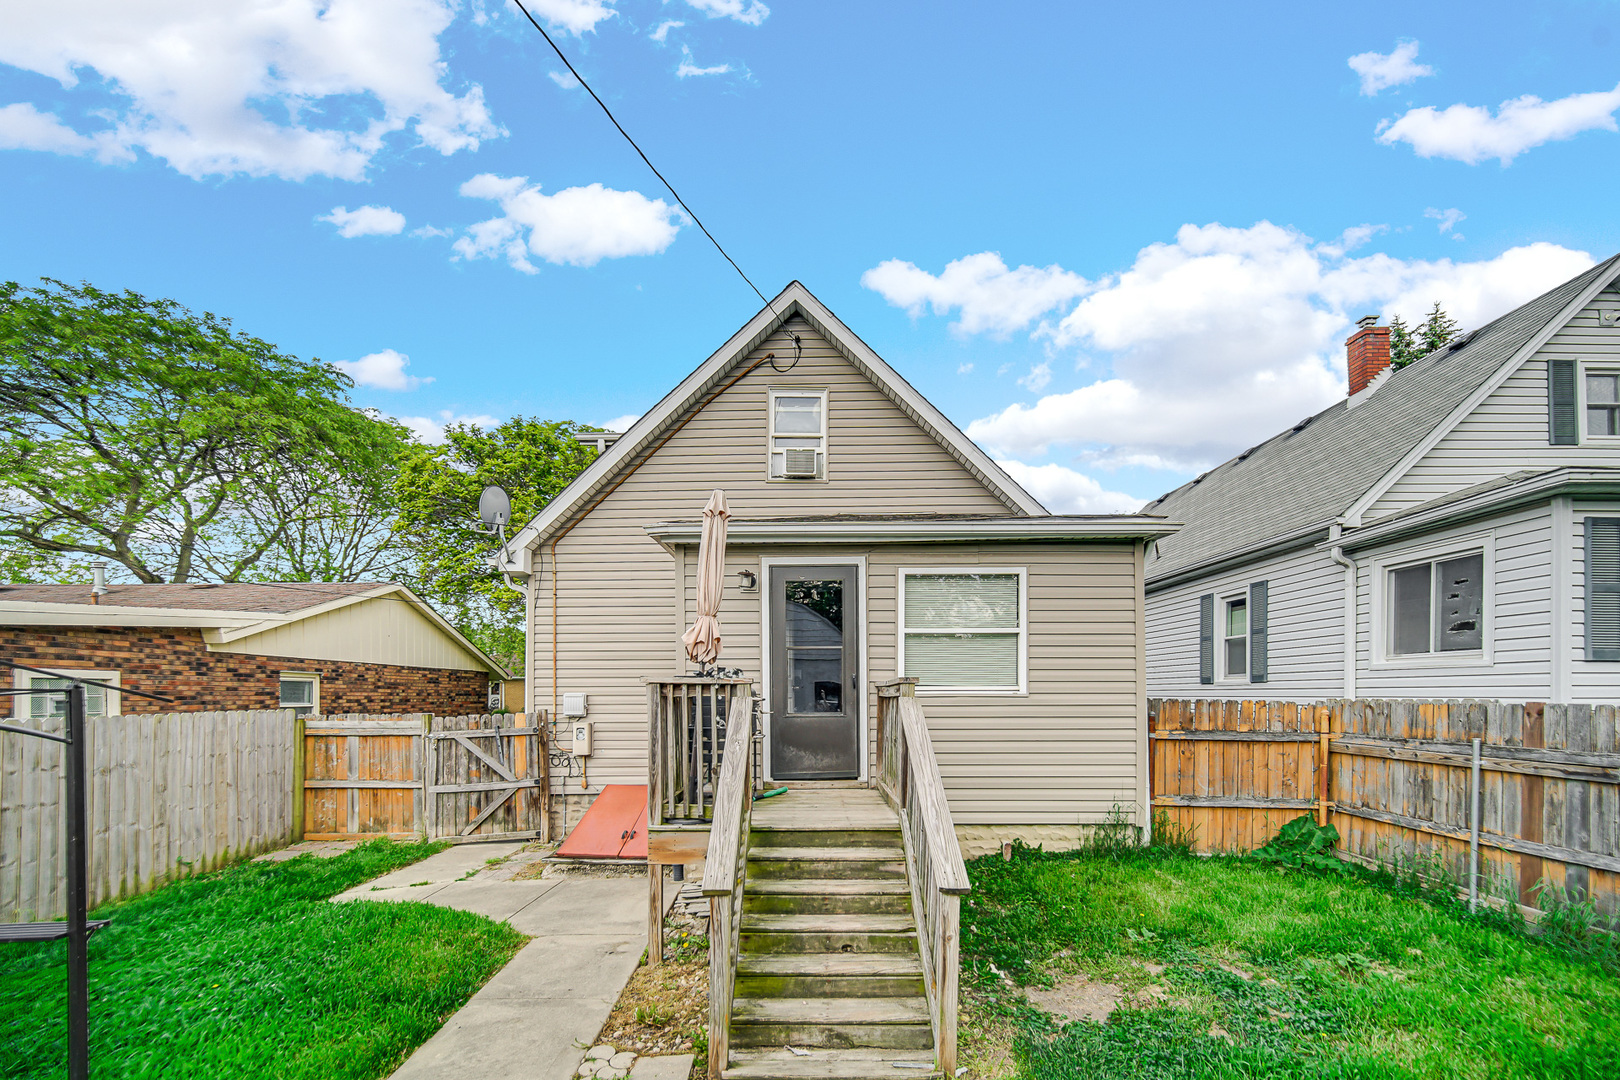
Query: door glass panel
x,y
815,646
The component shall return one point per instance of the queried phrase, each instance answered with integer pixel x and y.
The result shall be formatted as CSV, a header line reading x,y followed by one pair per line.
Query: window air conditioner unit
x,y
799,464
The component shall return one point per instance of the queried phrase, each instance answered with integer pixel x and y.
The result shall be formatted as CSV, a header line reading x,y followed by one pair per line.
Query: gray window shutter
x,y
1259,594
1206,638
1603,588
1563,425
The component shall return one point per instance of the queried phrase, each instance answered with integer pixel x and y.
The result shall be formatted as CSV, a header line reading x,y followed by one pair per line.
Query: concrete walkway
x,y
531,1020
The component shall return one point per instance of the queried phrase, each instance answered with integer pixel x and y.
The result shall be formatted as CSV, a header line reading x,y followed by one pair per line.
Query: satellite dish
x,y
494,508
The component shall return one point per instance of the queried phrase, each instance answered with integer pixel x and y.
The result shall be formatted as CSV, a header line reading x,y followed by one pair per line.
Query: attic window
x,y
798,434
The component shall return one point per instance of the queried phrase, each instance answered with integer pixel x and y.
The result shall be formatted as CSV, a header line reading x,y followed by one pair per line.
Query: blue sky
x,y
1117,243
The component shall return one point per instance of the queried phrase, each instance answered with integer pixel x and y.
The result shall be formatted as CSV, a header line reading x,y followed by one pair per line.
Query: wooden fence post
x,y
298,780
1531,792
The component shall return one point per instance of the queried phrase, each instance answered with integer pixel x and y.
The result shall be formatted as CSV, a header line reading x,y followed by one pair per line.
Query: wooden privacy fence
x,y
1396,778
450,777
168,794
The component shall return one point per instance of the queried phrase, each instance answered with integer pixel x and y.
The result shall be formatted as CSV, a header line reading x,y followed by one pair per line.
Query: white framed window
x,y
1433,605
798,434
965,631
300,692
1599,389
98,701
1235,638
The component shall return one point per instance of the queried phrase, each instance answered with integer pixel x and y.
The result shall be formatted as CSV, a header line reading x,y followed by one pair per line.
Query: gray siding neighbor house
x,y
1451,529
887,545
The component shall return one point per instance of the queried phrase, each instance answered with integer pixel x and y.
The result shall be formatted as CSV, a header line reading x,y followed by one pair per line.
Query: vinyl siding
x,y
618,612
1306,620
1507,433
1520,598
1061,754
382,630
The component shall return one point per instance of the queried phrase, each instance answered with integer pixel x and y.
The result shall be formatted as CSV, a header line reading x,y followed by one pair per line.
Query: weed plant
x,y
252,972
1234,966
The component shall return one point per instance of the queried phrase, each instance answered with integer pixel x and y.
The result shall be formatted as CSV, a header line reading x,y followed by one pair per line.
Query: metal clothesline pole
x,y
78,941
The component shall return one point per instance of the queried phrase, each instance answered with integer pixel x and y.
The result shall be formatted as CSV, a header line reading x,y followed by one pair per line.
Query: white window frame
x,y
1582,367
1223,605
315,704
1383,568
771,434
22,709
1022,689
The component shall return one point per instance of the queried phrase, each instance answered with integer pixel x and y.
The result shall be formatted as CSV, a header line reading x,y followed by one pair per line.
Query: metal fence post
x,y
78,945
1473,831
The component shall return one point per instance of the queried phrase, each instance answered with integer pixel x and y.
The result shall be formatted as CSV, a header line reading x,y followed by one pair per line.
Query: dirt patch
x,y
663,1008
1078,998
547,868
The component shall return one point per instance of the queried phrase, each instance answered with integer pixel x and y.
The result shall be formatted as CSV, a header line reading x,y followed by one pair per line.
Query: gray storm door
x,y
815,673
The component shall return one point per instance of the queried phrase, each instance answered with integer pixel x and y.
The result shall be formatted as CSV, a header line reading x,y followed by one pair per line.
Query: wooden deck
x,y
834,807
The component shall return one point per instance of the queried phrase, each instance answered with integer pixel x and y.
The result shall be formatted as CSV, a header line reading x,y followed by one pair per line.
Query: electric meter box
x,y
582,738
573,704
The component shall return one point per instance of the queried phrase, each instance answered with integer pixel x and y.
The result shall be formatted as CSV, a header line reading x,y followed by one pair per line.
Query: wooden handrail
x,y
725,872
908,777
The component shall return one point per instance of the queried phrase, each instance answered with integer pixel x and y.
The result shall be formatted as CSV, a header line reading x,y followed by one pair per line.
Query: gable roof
x,y
1300,481
273,597
225,612
795,300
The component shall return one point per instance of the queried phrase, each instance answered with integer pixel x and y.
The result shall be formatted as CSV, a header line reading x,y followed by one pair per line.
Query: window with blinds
x,y
1602,588
961,631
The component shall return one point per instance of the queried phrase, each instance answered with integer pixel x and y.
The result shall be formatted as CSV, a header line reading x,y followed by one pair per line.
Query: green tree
x,y
448,553
1407,344
136,431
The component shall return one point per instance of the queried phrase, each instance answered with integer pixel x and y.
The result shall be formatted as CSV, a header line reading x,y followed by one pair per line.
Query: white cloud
x,y
689,69
1448,219
384,370
660,34
621,424
289,88
365,221
1229,335
1381,70
430,231
579,226
964,369
578,17
23,127
1039,377
751,12
431,429
1063,491
1470,134
564,79
992,299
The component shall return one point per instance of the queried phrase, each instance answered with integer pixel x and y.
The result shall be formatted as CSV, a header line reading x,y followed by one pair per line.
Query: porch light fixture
x,y
747,580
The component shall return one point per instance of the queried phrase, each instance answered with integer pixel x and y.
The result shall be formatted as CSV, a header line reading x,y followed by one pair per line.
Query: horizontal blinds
x,y
1603,588
973,661
961,602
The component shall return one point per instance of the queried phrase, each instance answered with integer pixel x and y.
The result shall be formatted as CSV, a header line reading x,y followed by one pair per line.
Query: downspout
x,y
1336,553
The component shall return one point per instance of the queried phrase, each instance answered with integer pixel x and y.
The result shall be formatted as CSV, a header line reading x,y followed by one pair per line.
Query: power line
x,y
680,201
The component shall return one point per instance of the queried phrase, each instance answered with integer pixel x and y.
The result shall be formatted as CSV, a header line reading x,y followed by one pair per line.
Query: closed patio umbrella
x,y
702,640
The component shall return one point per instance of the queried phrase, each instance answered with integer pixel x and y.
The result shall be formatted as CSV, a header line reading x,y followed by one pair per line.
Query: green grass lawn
x,y
1232,967
250,972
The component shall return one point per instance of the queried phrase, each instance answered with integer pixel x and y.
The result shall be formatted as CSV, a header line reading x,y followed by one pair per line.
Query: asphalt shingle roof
x,y
268,597
1312,473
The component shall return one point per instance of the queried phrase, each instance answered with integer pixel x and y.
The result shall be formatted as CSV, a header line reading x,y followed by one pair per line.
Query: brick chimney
x,y
1366,352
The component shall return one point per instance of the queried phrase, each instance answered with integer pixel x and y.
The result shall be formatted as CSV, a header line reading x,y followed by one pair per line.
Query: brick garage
x,y
176,663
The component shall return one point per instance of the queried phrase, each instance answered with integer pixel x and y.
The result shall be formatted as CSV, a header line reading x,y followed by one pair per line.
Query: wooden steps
x,y
828,959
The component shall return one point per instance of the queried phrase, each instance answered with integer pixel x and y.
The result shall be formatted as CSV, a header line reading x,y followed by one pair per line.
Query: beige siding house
x,y
869,539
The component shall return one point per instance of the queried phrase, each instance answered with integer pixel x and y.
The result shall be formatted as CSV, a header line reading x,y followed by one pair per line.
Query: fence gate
x,y
484,780
362,777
